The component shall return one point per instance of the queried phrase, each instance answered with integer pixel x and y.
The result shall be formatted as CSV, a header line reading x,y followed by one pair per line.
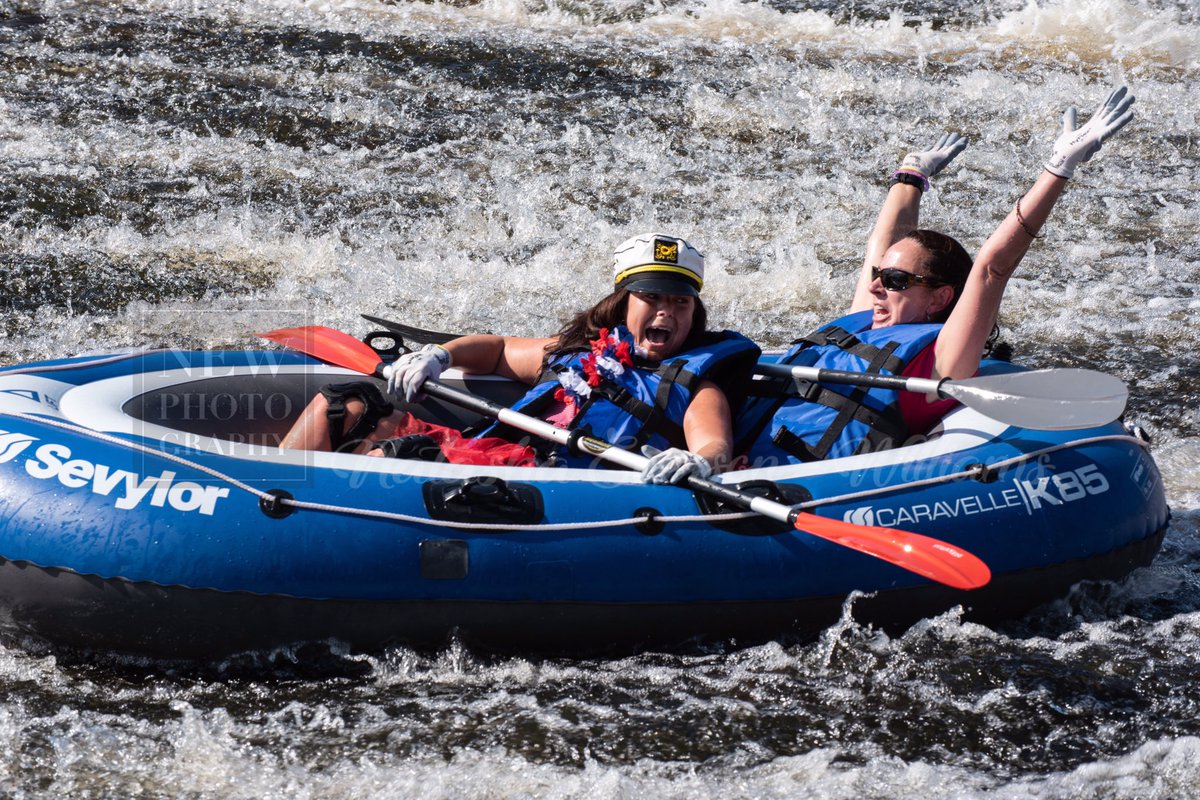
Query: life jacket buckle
x,y
808,391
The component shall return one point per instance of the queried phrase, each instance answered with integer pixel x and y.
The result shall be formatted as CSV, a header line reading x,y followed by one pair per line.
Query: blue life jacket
x,y
645,404
788,422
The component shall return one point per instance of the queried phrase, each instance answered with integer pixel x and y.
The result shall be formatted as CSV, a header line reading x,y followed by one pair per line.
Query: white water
x,y
212,169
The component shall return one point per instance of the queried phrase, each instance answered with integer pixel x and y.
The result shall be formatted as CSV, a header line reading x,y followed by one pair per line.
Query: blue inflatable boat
x,y
145,508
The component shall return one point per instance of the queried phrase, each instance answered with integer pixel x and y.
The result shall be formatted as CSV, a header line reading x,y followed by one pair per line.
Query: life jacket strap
x,y
884,432
884,428
847,342
653,417
377,407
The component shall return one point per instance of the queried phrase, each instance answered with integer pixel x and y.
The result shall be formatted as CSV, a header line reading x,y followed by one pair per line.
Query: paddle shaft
x,y
1053,399
817,375
1049,399
602,449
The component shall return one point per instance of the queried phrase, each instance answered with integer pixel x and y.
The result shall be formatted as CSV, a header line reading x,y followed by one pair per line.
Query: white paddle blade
x,y
1044,399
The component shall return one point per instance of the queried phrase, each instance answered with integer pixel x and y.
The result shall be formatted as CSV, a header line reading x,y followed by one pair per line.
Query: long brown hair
x,y
581,329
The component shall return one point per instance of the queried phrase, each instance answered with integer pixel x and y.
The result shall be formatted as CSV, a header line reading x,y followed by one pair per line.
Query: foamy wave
x,y
1128,31
1116,29
1095,30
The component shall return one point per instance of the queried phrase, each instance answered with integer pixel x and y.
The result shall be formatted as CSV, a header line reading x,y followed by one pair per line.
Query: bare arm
x,y
514,357
707,426
901,209
960,344
897,218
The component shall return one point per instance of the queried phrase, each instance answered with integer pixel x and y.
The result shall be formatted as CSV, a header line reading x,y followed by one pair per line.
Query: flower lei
x,y
609,357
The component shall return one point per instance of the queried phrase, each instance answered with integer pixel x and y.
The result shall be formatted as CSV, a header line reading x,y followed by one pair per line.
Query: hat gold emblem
x,y
666,251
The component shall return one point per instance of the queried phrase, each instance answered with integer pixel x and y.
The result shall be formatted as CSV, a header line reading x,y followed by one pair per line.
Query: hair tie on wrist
x,y
911,178
444,357
1024,226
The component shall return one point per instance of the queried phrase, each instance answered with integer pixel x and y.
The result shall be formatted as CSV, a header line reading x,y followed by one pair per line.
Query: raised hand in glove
x,y
407,374
1076,145
673,465
924,164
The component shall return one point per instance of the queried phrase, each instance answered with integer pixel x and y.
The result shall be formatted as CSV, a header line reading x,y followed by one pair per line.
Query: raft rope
x,y
975,471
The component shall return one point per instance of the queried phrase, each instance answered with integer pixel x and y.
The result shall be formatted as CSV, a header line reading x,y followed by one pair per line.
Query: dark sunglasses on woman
x,y
897,280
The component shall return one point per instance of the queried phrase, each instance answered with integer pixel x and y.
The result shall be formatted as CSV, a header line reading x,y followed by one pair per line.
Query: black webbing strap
x,y
885,430
882,428
855,398
376,408
657,420
849,343
654,417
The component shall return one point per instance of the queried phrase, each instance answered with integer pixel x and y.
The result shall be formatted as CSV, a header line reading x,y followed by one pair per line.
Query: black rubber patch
x,y
485,500
444,559
985,473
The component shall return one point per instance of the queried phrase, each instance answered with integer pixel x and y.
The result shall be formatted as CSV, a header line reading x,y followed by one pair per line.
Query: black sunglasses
x,y
897,280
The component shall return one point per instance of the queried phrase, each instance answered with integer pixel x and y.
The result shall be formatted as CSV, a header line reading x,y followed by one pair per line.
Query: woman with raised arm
x,y
639,369
921,308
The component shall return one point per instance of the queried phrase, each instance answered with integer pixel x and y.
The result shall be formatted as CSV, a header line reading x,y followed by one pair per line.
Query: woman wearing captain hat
x,y
638,369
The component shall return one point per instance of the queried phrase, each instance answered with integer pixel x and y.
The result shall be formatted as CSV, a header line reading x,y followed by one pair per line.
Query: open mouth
x,y
656,335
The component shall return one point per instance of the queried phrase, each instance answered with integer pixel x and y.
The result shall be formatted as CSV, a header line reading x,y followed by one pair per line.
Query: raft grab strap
x,y
276,499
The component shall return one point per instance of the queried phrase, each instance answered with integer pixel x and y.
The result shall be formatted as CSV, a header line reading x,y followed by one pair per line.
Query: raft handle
x,y
483,499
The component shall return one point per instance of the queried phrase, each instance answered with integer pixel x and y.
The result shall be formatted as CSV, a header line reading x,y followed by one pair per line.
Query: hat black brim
x,y
659,285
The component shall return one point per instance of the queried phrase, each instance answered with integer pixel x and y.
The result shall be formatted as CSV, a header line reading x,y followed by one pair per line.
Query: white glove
x,y
673,465
1076,145
407,373
927,163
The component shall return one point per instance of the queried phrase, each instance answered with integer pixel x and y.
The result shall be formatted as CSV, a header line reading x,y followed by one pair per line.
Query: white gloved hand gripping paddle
x,y
407,374
673,465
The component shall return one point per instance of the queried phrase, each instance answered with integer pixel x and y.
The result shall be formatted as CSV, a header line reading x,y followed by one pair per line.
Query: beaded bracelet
x,y
1024,226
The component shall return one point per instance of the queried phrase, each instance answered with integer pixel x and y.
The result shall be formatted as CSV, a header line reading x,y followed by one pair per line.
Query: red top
x,y
918,414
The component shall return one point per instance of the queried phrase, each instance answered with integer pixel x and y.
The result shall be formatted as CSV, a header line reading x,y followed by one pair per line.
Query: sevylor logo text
x,y
1033,495
129,489
13,444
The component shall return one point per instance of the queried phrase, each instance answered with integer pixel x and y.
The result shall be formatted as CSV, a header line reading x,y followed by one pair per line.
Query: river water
x,y
188,172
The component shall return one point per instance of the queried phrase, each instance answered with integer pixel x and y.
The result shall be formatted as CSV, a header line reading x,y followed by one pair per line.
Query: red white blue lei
x,y
611,355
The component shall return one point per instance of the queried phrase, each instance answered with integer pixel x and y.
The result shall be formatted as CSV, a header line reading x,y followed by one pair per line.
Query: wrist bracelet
x,y
1024,226
911,178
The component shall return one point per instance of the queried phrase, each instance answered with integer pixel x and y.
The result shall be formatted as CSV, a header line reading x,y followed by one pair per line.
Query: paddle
x,y
1044,399
418,335
928,557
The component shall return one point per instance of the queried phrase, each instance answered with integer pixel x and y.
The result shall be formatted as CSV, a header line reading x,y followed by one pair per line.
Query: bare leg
x,y
311,431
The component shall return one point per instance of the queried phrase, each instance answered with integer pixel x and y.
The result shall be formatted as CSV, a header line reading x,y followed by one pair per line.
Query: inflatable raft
x,y
145,508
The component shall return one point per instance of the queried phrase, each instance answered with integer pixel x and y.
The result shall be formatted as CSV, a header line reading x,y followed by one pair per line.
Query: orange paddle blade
x,y
933,558
329,345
